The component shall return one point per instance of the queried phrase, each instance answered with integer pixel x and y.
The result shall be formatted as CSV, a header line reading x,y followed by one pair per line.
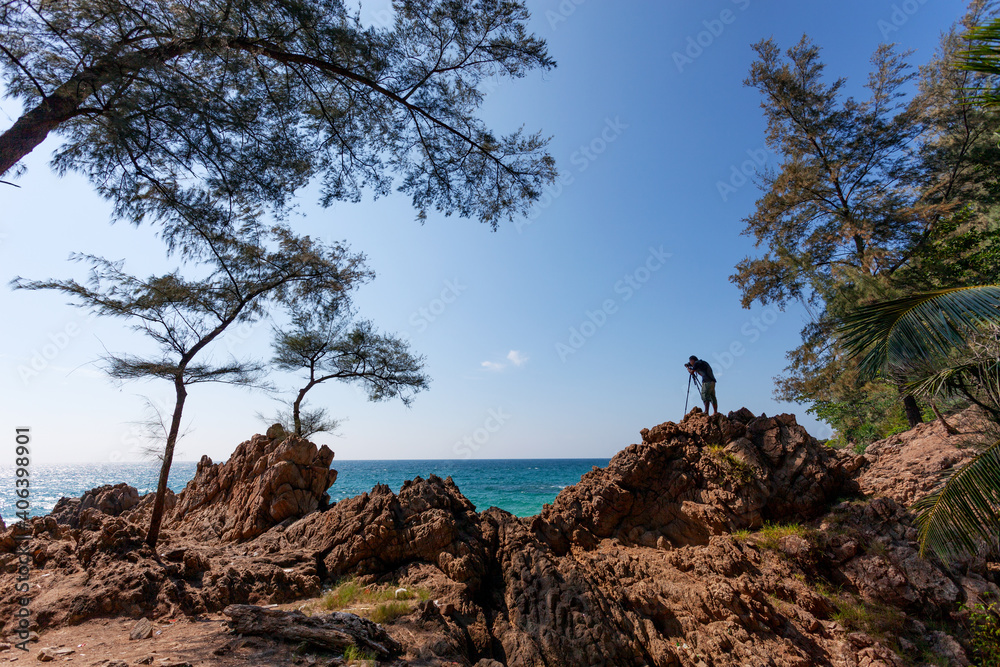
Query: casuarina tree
x,y
874,197
242,274
240,103
328,345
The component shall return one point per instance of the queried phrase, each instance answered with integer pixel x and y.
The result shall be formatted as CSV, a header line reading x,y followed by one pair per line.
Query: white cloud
x,y
517,358
514,357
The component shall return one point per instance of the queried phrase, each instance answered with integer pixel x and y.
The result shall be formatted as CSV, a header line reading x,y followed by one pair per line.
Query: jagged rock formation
x,y
652,560
266,481
110,500
705,477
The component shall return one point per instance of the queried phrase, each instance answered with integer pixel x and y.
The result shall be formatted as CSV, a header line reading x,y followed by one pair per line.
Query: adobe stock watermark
x,y
751,332
565,9
581,158
704,39
626,288
473,442
741,174
901,14
45,354
424,316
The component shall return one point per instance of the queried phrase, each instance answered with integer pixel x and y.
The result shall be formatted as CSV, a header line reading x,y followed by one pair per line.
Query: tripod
x,y
697,384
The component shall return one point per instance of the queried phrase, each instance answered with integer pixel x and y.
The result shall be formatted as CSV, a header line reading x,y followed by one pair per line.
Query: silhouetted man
x,y
701,367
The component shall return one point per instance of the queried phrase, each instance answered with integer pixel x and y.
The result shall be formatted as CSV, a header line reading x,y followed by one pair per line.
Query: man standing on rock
x,y
701,367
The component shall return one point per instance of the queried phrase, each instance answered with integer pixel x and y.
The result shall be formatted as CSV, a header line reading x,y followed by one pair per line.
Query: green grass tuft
x,y
732,466
769,537
376,602
879,621
390,611
353,653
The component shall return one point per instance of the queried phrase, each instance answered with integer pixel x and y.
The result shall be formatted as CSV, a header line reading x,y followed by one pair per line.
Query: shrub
x,y
985,622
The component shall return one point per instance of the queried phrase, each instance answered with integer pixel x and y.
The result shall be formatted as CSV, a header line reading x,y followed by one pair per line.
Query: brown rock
x,y
265,482
635,564
907,466
111,500
143,629
53,652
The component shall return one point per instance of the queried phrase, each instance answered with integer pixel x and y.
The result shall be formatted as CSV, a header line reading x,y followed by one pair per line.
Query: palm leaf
x,y
958,518
918,329
983,56
948,381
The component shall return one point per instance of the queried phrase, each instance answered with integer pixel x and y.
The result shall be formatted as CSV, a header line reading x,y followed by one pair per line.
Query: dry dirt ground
x,y
178,642
195,642
202,641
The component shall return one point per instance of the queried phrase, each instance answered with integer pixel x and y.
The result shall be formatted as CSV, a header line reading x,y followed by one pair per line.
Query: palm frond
x,y
963,514
983,56
918,329
982,374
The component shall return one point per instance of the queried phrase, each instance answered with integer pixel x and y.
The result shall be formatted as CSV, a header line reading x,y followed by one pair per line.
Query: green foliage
x,y
965,512
376,602
874,199
390,611
876,412
981,56
327,345
769,537
935,340
244,273
732,465
918,329
880,621
222,105
984,621
353,653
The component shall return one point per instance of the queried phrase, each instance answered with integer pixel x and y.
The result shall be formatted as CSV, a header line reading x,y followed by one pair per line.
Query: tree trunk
x,y
951,430
296,411
913,414
32,128
65,101
168,456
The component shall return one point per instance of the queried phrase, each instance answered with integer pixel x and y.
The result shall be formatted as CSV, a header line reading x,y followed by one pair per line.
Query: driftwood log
x,y
335,631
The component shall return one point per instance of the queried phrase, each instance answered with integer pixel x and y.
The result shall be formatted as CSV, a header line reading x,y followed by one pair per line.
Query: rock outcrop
x,y
265,482
110,500
908,466
718,541
704,477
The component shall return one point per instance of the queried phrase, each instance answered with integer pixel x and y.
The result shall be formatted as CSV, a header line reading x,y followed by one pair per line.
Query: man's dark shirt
x,y
704,370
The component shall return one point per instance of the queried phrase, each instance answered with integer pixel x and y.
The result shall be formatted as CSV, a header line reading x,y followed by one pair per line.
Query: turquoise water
x,y
520,486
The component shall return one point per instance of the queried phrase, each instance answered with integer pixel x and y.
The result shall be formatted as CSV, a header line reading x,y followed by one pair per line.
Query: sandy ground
x,y
202,641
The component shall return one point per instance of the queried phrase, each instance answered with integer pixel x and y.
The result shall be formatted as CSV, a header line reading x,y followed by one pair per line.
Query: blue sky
x,y
560,335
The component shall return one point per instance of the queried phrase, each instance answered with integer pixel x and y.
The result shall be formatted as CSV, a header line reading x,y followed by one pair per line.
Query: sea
x,y
519,486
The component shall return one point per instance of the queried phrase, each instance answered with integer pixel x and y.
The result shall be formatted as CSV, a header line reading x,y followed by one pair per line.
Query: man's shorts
x,y
708,392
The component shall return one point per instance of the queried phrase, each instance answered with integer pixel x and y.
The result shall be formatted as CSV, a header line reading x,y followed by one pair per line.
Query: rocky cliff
x,y
717,541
